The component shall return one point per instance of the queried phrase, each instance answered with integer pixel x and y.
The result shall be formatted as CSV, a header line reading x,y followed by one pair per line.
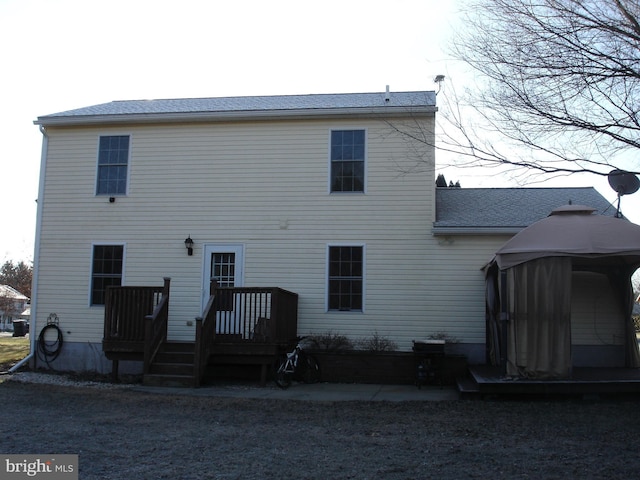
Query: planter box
x,y
392,368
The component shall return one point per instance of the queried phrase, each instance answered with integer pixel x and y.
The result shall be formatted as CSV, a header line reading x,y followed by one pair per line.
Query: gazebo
x,y
559,295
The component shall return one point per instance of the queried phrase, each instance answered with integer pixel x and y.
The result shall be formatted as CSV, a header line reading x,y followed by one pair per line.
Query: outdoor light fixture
x,y
189,244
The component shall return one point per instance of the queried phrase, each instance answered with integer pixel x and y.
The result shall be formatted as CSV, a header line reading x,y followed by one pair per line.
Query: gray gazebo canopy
x,y
574,231
535,268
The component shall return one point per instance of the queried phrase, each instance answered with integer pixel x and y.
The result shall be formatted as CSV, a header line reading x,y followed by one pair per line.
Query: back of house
x,y
326,196
330,197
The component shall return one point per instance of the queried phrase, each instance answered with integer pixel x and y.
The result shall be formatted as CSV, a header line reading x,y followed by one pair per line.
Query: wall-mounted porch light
x,y
189,244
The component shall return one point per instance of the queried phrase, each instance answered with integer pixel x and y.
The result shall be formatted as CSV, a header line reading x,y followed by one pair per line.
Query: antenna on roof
x,y
624,183
439,79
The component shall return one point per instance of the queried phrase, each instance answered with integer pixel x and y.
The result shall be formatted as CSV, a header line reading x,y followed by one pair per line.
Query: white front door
x,y
225,265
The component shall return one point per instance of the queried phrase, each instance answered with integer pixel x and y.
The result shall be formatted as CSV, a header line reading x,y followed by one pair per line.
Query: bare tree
x,y
558,77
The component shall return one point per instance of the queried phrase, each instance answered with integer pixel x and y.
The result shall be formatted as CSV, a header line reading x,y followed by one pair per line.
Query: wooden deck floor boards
x,y
582,381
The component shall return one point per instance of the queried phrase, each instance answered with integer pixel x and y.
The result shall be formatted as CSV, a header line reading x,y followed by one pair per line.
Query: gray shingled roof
x,y
507,210
228,105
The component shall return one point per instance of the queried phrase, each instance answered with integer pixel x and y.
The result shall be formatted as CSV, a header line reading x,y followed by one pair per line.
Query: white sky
x,y
63,54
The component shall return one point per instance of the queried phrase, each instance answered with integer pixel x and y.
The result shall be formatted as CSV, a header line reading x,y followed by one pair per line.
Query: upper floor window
x,y
113,162
347,160
106,270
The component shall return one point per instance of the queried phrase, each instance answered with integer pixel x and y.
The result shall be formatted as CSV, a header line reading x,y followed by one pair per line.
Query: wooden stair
x,y
173,366
468,387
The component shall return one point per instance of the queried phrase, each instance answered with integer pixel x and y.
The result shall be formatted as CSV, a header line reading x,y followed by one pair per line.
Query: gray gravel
x,y
120,433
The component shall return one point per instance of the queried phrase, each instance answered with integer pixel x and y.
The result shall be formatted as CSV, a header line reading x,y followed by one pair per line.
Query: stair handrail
x,y
155,327
205,335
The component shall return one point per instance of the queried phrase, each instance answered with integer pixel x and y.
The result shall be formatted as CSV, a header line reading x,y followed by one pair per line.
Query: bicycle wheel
x,y
280,374
311,372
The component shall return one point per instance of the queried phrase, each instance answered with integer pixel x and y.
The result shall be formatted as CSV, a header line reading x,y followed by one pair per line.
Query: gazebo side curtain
x,y
622,281
492,315
539,327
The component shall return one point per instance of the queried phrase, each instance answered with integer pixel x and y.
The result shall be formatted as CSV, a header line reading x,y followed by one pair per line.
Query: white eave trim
x,y
234,115
450,231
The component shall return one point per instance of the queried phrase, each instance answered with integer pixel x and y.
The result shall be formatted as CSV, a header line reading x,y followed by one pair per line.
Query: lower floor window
x,y
346,267
106,270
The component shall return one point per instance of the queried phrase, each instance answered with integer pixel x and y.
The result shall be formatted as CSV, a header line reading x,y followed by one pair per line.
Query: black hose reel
x,y
50,340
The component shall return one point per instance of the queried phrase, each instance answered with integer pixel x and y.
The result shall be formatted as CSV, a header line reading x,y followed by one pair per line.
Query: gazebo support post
x,y
504,319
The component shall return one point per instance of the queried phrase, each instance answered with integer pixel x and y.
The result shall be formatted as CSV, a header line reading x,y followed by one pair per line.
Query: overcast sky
x,y
63,54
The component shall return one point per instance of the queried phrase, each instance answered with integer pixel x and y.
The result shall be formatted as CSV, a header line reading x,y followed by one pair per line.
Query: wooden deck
x,y
486,380
239,326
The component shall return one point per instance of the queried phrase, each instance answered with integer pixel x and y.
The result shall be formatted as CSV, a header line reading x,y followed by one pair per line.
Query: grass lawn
x,y
12,350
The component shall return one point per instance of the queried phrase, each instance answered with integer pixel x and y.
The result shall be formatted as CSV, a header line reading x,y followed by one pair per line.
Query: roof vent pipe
x,y
387,95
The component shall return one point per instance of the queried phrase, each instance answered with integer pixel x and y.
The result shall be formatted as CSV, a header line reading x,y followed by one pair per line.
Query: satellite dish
x,y
624,183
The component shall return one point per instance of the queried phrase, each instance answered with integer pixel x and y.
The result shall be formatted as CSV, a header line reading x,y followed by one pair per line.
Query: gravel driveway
x,y
123,434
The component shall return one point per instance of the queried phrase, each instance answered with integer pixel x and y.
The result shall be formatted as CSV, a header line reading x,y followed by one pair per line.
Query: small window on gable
x,y
347,160
113,165
106,270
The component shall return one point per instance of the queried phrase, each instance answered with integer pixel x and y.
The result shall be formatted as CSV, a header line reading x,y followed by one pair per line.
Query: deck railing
x,y
125,309
245,315
205,336
256,314
155,327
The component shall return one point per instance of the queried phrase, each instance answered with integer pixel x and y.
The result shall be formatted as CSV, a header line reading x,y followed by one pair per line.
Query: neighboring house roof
x,y
246,107
9,292
506,210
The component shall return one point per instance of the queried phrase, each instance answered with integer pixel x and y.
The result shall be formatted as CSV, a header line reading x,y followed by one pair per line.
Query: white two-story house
x,y
331,197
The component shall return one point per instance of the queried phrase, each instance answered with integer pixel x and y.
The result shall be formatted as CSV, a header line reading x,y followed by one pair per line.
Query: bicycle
x,y
296,365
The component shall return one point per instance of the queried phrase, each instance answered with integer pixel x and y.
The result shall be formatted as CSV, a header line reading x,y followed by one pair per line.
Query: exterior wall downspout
x,y
31,358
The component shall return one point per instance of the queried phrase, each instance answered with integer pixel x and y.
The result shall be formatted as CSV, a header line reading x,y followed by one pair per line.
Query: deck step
x,y
184,347
173,366
467,387
175,357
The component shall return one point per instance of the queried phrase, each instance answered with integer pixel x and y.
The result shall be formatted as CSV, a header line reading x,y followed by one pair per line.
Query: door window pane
x,y
223,268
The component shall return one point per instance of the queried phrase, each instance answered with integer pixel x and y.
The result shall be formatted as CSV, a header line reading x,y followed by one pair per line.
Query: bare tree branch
x,y
560,78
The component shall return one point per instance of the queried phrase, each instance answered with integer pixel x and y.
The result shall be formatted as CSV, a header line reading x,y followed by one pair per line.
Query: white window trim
x,y
366,159
124,263
364,277
113,134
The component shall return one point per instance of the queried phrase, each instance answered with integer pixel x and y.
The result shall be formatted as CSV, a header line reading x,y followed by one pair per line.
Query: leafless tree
x,y
560,78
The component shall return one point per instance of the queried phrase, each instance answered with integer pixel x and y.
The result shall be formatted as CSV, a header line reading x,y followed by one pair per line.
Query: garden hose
x,y
49,351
